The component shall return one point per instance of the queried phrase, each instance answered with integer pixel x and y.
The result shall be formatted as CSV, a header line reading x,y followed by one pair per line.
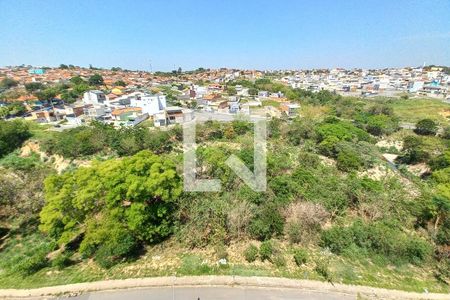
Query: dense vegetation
x,y
325,209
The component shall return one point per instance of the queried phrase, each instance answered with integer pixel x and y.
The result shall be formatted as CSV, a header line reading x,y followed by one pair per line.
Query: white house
x,y
173,115
95,97
150,103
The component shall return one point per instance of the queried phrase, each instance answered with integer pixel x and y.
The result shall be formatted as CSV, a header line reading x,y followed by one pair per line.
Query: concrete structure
x,y
149,103
290,109
95,97
173,115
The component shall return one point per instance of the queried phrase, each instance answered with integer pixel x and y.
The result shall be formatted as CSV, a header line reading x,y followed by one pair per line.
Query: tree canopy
x,y
120,203
12,135
96,79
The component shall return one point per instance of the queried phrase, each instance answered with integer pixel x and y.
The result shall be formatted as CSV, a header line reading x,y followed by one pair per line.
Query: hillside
x,y
351,198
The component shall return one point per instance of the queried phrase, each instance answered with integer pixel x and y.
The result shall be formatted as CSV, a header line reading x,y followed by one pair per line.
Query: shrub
x,y
294,232
251,253
204,221
414,153
241,127
303,220
384,238
300,256
12,135
348,160
426,127
113,251
446,133
323,268
308,159
221,252
31,264
61,261
267,222
239,217
337,239
381,124
417,250
279,260
266,250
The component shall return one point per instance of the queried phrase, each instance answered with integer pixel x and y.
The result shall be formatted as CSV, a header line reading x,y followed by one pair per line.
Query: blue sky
x,y
283,34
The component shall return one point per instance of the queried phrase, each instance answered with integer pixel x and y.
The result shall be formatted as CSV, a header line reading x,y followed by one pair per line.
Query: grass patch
x,y
413,110
174,261
270,103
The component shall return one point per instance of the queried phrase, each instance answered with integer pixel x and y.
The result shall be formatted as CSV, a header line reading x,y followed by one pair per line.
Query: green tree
x,y
426,127
413,150
348,160
77,80
381,124
33,86
8,83
69,96
47,94
120,83
13,109
12,135
96,79
231,90
118,204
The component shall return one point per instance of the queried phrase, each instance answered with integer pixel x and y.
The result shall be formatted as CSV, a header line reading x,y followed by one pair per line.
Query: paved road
x,y
211,293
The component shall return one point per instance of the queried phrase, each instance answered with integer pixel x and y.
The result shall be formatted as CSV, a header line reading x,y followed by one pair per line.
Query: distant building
x,y
126,114
173,115
36,71
94,97
43,116
290,109
416,86
149,103
95,112
263,94
233,107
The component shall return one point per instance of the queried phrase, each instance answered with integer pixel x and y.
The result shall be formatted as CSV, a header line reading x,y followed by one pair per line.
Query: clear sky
x,y
276,34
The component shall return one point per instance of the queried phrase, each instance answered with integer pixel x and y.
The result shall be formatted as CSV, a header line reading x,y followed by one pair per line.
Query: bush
x,y
267,223
384,238
294,232
12,135
279,260
241,127
381,124
62,261
414,153
446,133
251,253
266,250
323,268
31,264
426,127
300,256
417,250
116,249
304,220
337,239
348,160
221,252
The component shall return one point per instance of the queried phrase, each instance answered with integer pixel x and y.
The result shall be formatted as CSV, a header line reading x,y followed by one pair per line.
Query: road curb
x,y
260,282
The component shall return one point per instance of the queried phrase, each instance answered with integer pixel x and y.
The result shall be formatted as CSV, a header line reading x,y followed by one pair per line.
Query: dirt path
x,y
220,281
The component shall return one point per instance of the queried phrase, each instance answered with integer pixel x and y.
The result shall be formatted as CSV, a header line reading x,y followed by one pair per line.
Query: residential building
x,y
94,97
